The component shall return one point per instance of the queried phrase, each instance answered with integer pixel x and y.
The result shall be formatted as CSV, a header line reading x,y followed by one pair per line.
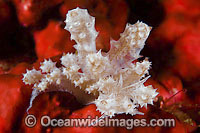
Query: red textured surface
x,y
187,53
52,41
14,100
30,11
4,12
83,113
32,30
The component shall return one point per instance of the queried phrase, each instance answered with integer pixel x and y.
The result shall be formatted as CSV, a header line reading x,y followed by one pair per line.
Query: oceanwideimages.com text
x,y
47,121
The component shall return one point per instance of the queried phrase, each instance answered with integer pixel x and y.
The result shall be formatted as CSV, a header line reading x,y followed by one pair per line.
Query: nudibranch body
x,y
115,83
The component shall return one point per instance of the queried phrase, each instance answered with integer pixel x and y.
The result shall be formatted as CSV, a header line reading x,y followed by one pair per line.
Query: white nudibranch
x,y
116,84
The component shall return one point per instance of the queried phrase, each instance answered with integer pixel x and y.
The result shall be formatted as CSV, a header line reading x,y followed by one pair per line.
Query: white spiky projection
x,y
110,80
